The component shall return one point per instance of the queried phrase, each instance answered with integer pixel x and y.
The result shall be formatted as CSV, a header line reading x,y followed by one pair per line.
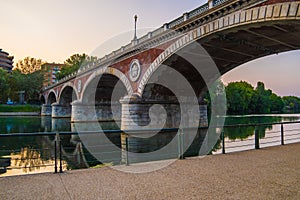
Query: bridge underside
x,y
236,46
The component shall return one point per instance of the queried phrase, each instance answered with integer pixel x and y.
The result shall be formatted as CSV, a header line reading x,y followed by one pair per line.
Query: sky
x,y
53,30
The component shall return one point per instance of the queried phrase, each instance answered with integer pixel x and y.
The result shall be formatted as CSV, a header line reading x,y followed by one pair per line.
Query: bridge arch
x,y
242,36
51,98
42,99
100,98
108,71
68,94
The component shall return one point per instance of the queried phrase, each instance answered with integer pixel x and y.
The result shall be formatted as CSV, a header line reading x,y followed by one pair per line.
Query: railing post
x,y
60,158
127,148
179,143
181,146
256,138
55,156
282,135
223,142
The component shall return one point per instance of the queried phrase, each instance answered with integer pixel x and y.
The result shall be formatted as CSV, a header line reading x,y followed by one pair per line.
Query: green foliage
x,y
73,63
291,104
242,98
239,96
31,84
4,85
19,108
29,65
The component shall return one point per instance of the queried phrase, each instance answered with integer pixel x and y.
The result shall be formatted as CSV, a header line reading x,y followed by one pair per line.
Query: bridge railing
x,y
199,10
58,151
218,2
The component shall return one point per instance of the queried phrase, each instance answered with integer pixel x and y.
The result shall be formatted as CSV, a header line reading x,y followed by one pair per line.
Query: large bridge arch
x,y
238,38
100,97
110,71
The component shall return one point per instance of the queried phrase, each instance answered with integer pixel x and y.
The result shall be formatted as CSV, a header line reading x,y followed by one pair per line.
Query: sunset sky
x,y
54,30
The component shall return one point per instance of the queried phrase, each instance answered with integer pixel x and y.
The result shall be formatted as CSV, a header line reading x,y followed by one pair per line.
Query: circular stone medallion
x,y
135,70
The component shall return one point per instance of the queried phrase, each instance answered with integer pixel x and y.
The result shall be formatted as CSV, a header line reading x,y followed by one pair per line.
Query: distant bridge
x,y
232,32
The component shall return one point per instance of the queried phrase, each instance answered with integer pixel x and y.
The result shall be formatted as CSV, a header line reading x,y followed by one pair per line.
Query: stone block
x,y
269,12
262,12
216,25
226,21
248,15
293,9
284,10
237,17
231,19
276,11
255,13
211,26
221,23
243,16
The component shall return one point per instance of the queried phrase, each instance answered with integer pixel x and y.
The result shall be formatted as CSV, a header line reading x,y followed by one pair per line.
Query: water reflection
x,y
36,154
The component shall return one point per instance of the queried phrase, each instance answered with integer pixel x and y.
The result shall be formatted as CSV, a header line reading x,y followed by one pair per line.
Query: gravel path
x,y
269,173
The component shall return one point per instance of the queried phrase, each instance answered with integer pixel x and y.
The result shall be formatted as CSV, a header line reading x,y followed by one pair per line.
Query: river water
x,y
35,154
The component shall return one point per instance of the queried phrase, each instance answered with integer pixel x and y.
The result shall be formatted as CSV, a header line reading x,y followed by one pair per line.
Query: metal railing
x,y
271,138
59,153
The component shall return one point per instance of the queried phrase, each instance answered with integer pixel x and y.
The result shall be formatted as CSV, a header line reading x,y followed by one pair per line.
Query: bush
x,y
20,108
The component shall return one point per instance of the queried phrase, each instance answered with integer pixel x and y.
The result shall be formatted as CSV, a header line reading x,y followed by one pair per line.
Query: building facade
x,y
6,61
50,70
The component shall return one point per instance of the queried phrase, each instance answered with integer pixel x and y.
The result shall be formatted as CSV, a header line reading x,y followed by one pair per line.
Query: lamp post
x,y
135,20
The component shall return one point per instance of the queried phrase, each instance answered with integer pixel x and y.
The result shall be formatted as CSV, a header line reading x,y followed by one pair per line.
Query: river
x,y
35,154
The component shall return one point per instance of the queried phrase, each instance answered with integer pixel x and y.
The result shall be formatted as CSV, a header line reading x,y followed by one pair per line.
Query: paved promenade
x,y
269,173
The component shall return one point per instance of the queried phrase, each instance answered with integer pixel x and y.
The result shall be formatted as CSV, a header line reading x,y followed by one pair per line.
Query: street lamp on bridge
x,y
135,20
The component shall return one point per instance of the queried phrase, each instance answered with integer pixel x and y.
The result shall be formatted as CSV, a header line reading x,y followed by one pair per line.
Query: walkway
x,y
270,173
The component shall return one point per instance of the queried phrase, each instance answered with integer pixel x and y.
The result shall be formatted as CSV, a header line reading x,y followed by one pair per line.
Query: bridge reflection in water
x,y
35,153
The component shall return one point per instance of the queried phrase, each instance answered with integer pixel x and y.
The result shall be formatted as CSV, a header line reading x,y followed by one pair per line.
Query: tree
x,y
261,101
239,96
29,65
73,63
216,97
291,103
276,102
4,85
30,83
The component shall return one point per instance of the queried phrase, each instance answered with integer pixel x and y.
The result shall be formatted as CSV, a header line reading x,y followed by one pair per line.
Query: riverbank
x,y
19,108
269,173
20,114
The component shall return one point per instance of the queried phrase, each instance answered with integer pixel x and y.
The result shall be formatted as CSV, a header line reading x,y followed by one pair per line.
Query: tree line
x,y
27,76
243,98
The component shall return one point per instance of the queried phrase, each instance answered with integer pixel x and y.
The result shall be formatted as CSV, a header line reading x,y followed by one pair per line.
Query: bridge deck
x,y
269,173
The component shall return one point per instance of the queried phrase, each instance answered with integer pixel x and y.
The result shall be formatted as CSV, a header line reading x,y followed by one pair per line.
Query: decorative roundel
x,y
79,86
135,70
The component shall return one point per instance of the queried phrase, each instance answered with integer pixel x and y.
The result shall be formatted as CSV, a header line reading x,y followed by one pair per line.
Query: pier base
x,y
46,110
61,111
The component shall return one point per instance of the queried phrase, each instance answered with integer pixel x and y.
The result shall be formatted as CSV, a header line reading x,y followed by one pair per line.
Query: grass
x,y
19,108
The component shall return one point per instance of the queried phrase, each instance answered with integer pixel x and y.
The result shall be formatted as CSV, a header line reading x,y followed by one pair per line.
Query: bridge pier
x,y
102,111
203,115
46,110
61,111
150,114
138,112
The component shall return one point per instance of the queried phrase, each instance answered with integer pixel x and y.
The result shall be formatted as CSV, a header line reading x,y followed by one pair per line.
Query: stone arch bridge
x,y
222,34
